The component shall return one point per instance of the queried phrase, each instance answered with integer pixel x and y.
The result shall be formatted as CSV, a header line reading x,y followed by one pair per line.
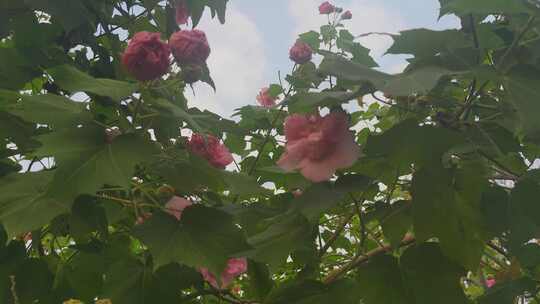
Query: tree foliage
x,y
442,206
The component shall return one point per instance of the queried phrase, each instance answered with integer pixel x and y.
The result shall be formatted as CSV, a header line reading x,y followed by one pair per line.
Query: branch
x,y
14,290
358,260
336,234
516,41
266,139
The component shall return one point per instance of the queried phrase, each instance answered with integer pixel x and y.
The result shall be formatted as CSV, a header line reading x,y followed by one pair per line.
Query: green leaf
x,y
305,76
313,292
260,280
424,42
360,53
243,184
168,108
523,89
11,256
15,71
85,274
446,205
407,143
196,9
85,165
204,237
328,33
483,7
49,109
524,222
34,281
380,282
23,204
345,69
312,39
220,7
287,233
507,292
353,183
315,200
275,90
417,81
431,277
71,14
86,217
202,175
421,80
494,208
126,282
307,101
73,80
396,221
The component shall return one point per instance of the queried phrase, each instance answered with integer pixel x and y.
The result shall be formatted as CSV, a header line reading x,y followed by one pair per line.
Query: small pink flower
x,y
265,99
147,57
318,146
210,149
326,8
235,267
346,16
182,13
301,52
176,205
490,283
297,193
190,47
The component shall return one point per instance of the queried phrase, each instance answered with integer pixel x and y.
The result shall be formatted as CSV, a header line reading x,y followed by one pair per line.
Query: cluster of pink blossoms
x,y
147,57
210,149
316,145
327,8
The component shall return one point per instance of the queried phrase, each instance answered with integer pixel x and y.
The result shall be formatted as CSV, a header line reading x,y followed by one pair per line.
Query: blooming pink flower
x,y
182,13
346,16
490,283
235,267
190,46
300,52
297,193
265,99
326,8
210,149
318,146
176,205
146,57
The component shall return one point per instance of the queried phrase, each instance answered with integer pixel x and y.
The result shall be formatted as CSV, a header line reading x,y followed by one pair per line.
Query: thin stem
x,y
335,235
360,259
394,105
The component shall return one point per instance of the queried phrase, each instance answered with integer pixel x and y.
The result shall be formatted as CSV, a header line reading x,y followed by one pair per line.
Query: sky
x,y
252,47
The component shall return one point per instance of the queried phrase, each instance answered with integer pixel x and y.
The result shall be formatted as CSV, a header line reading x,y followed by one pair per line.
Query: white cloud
x,y
237,63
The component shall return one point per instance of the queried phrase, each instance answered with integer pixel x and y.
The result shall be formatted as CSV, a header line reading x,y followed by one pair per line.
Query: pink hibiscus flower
x,y
235,267
318,146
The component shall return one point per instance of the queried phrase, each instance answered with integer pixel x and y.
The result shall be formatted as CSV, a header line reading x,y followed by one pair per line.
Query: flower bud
x,y
346,16
146,57
301,52
326,8
190,47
